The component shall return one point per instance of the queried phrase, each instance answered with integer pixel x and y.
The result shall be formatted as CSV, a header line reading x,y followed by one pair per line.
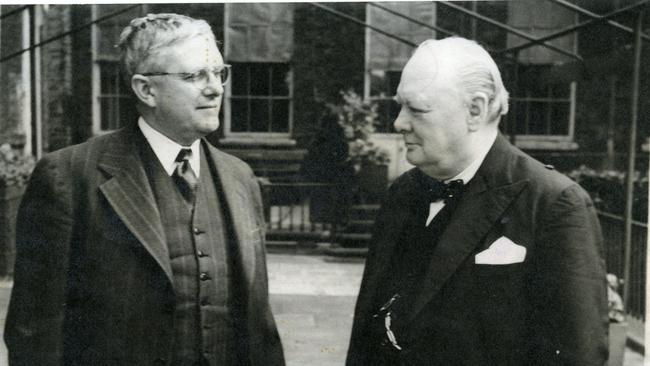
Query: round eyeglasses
x,y
199,78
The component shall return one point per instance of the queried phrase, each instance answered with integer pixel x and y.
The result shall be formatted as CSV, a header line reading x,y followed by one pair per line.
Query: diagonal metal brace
x,y
510,29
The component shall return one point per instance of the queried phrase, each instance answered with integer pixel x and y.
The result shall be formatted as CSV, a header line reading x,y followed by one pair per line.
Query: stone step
x,y
352,240
363,212
300,236
358,226
337,251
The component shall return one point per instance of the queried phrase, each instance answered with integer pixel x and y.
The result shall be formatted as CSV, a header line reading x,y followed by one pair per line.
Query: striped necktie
x,y
184,176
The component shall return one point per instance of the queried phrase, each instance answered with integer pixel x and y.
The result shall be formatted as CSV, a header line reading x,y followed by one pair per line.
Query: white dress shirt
x,y
167,149
466,175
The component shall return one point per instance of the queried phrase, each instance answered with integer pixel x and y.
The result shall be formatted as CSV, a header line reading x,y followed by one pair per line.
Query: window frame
x,y
97,59
551,142
258,138
234,136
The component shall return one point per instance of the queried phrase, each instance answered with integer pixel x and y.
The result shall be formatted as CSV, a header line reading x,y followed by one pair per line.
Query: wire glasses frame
x,y
199,78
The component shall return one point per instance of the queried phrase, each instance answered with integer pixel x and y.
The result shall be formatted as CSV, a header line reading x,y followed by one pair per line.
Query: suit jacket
x,y
551,309
93,281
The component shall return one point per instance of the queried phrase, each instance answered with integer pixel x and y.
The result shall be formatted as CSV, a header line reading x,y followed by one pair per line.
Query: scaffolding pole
x,y
511,30
585,12
577,27
362,23
629,189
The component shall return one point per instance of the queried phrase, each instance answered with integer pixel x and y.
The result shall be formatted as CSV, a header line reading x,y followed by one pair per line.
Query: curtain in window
x,y
540,18
385,53
259,32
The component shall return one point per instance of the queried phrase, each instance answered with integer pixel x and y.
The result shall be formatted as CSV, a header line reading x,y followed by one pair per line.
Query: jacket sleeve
x,y
568,289
35,318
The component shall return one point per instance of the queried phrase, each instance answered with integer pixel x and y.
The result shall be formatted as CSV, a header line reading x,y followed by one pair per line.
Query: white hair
x,y
475,68
145,35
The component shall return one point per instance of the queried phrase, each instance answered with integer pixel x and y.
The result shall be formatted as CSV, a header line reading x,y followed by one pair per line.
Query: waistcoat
x,y
202,267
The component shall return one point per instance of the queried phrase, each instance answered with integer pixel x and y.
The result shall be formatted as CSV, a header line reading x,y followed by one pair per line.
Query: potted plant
x,y
358,120
342,156
15,169
617,323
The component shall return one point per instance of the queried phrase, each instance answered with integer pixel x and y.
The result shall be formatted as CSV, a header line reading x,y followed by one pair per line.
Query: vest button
x,y
204,276
205,302
197,231
201,253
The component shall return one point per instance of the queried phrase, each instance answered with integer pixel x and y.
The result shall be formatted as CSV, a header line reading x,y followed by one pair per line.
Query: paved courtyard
x,y
313,300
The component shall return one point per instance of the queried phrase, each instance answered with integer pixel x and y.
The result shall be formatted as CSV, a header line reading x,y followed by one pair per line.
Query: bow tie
x,y
445,191
436,190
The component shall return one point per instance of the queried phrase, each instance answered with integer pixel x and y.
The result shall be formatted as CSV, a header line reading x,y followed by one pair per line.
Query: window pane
x,y
280,116
252,107
128,112
239,79
377,82
108,78
259,79
109,110
384,83
559,118
280,79
238,115
387,111
259,115
560,91
517,117
537,118
393,81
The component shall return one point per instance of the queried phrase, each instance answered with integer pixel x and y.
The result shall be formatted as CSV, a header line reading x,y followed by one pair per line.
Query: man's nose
x,y
214,85
402,123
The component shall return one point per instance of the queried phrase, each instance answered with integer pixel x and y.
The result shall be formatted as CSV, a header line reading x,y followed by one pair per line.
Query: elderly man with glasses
x,y
146,246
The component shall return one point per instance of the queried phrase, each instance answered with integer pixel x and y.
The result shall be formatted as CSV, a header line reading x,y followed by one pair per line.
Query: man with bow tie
x,y
146,246
481,255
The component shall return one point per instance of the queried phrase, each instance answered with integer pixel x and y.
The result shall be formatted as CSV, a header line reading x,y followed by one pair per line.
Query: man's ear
x,y
142,88
478,110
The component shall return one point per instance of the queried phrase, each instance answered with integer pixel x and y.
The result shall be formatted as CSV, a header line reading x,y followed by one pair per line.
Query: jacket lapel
x,y
488,195
128,191
238,205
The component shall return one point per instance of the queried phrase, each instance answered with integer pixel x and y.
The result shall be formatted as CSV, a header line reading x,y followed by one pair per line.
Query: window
x,y
113,105
116,105
258,43
260,98
385,57
541,111
15,72
383,87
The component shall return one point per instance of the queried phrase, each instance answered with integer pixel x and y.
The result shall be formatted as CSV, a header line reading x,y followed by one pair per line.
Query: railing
x,y
302,210
613,227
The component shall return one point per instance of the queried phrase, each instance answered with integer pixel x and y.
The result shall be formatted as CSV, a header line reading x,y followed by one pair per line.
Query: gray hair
x,y
475,68
146,35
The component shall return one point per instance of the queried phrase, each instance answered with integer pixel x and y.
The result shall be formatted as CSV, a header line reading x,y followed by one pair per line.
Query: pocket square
x,y
502,251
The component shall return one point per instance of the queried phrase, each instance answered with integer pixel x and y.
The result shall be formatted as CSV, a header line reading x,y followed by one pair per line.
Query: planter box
x,y
617,339
9,200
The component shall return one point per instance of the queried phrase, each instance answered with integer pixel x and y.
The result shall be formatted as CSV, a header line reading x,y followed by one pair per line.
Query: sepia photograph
x,y
406,183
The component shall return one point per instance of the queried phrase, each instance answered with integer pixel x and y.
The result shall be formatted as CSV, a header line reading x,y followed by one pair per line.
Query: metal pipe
x,y
362,23
573,28
65,34
436,28
413,20
511,30
585,12
14,11
629,188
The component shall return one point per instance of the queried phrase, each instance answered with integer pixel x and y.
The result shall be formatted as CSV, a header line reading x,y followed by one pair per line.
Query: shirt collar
x,y
469,172
167,149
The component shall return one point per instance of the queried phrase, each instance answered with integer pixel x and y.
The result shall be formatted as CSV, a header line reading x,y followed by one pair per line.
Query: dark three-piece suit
x,y
547,306
112,269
